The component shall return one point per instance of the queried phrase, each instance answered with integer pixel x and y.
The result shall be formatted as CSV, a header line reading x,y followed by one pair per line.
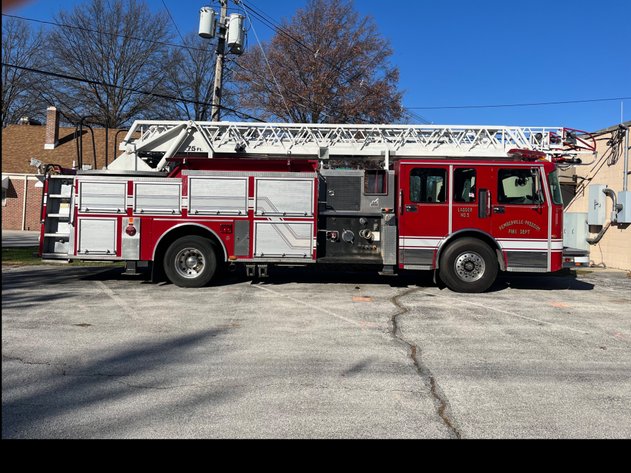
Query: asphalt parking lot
x,y
90,353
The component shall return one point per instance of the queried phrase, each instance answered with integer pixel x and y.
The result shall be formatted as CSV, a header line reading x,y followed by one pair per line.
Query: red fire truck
x,y
186,198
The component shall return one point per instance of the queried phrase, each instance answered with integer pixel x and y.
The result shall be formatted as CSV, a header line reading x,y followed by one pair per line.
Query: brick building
x,y
50,144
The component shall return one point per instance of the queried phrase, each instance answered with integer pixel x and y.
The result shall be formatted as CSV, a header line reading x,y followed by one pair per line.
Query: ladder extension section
x,y
323,141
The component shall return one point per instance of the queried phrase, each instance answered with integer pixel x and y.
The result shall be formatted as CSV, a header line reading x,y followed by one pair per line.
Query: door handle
x,y
499,209
411,208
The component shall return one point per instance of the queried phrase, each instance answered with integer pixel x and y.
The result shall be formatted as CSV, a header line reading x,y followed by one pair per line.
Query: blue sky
x,y
482,52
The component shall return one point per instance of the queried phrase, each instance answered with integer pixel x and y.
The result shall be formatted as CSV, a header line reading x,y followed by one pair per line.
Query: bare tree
x,y
21,50
192,78
122,64
327,64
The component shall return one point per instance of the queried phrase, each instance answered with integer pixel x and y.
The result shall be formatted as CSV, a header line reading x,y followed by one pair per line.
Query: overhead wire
x,y
532,104
268,64
176,28
107,33
175,82
131,89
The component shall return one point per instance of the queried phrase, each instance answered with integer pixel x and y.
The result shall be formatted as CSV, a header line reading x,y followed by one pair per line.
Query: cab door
x,y
520,216
471,205
423,210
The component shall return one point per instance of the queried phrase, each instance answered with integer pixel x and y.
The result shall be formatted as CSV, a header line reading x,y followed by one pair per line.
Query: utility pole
x,y
221,51
231,33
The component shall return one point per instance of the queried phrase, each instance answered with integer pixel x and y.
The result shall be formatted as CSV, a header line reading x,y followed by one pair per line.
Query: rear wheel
x,y
468,265
190,261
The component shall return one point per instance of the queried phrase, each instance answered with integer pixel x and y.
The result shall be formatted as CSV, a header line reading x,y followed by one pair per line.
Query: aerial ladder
x,y
150,144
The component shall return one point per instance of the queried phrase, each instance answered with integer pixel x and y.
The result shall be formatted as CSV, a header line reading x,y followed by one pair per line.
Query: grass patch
x,y
27,256
20,256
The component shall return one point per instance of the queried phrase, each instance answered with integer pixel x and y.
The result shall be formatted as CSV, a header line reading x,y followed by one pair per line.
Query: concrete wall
x,y
15,215
614,250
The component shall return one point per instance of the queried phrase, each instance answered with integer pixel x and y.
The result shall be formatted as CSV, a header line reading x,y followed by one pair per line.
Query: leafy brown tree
x,y
328,64
21,47
122,60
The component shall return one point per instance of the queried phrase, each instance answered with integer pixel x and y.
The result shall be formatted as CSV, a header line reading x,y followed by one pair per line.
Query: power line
x,y
268,65
176,28
533,104
176,82
107,33
130,89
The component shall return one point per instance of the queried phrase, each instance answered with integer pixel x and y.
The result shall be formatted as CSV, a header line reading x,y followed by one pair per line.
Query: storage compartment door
x,y
158,198
283,240
103,197
97,236
284,197
218,195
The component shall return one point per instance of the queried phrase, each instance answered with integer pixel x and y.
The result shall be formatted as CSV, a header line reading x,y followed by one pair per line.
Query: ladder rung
x,y
57,235
58,215
58,196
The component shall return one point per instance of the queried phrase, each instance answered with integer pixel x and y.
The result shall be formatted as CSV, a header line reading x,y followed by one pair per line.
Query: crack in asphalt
x,y
64,372
193,385
440,399
22,360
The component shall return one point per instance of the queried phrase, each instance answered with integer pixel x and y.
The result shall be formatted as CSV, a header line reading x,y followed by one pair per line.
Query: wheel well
x,y
178,232
489,240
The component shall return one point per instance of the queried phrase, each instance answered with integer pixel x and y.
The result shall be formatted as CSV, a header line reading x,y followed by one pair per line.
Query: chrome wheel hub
x,y
470,266
189,263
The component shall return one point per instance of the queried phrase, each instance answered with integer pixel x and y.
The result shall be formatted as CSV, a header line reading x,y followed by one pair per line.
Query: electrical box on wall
x,y
597,205
575,232
624,215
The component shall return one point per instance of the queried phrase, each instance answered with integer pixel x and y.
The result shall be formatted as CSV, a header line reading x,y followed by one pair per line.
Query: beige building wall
x,y
614,249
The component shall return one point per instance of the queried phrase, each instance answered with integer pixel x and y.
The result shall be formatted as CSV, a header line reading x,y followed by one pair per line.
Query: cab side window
x,y
428,185
464,185
518,187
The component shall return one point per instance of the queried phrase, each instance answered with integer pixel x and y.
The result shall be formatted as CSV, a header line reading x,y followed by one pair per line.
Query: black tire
x,y
468,265
190,261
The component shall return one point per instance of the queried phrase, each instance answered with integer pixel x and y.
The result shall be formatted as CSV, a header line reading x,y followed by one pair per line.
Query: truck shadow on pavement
x,y
74,399
15,284
562,280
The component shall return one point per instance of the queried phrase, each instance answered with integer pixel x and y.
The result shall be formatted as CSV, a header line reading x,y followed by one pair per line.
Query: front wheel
x,y
190,261
468,265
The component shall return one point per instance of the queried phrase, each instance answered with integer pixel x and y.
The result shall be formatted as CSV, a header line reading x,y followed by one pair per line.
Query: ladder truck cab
x,y
189,197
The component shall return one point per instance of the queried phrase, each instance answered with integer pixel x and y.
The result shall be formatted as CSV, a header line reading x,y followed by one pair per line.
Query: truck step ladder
x,y
324,141
57,227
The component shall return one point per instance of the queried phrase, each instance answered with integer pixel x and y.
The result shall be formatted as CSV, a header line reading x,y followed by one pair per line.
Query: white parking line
x,y
527,318
117,299
341,317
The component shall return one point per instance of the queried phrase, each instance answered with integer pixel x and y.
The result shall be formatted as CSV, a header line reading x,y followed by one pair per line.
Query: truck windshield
x,y
555,188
